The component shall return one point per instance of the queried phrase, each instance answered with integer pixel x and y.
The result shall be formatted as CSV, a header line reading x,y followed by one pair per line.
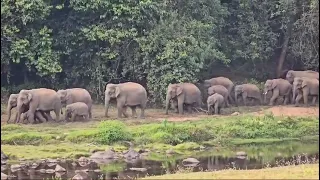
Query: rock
x,y
59,168
51,164
3,156
52,161
34,165
138,169
42,171
241,153
202,148
132,154
3,175
3,168
59,174
50,171
191,160
97,170
78,177
235,114
170,151
22,159
109,154
15,167
74,164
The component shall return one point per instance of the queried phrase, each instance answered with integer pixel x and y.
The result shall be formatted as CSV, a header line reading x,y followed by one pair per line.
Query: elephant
x,y
216,100
309,74
247,91
226,82
220,90
38,99
174,105
279,87
73,95
12,103
127,94
184,93
77,109
305,87
40,116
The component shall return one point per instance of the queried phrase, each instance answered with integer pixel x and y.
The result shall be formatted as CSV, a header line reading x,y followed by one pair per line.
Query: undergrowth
x,y
171,133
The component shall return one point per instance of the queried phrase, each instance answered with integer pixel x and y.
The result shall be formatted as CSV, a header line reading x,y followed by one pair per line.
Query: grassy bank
x,y
77,139
306,171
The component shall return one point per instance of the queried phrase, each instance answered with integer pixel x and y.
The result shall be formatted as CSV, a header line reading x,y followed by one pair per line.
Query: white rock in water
x,y
241,153
4,176
59,168
191,160
78,177
49,171
138,169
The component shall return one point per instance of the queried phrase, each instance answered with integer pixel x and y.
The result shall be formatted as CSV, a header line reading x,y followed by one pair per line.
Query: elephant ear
x,y
273,85
68,95
304,84
179,90
117,91
29,96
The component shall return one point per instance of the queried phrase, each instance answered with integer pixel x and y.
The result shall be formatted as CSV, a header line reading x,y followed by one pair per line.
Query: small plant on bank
x,y
112,131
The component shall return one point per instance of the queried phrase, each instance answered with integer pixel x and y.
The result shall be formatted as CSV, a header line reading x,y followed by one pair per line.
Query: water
x,y
258,156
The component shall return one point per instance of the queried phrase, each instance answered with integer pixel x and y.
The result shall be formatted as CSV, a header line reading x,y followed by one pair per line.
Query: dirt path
x,y
159,114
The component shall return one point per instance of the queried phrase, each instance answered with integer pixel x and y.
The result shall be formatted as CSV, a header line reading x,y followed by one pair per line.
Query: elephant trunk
x,y
20,110
236,98
167,102
106,105
265,92
294,95
9,108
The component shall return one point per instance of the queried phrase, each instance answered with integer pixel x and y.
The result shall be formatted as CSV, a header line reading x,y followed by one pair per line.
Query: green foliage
x,y
25,139
83,136
112,131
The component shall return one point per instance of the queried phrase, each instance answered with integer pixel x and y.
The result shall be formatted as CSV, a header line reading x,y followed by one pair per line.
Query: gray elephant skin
x,y
38,99
39,116
306,87
278,87
174,105
75,110
73,95
247,91
215,101
226,82
127,94
12,103
308,74
183,93
220,90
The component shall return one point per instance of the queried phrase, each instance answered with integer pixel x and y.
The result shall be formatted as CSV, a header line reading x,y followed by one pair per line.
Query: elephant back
x,y
79,95
252,90
46,99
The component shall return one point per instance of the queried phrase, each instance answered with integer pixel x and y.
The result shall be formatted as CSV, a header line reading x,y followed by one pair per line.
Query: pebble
x,y
191,160
42,170
4,176
138,169
59,168
50,171
77,177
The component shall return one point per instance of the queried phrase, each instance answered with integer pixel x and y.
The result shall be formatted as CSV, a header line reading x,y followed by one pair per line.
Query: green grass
x,y
180,136
305,171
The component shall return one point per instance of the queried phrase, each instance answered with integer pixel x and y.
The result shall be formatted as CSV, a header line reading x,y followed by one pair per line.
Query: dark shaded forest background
x,y
88,43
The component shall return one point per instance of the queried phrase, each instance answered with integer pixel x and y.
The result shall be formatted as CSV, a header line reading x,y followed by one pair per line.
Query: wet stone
x,y
50,171
59,168
42,170
4,176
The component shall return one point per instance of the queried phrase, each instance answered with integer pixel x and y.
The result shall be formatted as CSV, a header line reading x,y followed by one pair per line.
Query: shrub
x,y
112,131
83,136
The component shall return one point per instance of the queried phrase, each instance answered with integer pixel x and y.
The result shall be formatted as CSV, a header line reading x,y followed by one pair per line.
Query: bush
x,y
112,131
83,136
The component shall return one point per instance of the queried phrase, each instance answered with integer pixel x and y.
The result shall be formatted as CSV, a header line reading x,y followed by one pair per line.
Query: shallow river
x,y
258,156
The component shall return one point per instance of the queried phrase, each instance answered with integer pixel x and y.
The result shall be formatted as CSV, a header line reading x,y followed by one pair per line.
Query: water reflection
x,y
209,161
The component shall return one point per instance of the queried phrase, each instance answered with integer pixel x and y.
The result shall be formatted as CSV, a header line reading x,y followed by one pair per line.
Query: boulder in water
x,y
15,167
191,160
3,175
78,177
138,169
59,168
241,153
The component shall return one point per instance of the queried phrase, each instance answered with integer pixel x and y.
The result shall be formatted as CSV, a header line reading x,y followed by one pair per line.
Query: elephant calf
x,y
247,91
305,87
40,116
216,100
220,90
77,109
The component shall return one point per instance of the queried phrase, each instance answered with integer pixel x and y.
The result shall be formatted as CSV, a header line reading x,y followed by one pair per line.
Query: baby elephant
x,y
39,116
217,101
77,109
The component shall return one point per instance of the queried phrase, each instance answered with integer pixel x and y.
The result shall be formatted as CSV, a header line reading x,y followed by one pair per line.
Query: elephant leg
x,y
124,111
209,109
189,108
134,112
286,99
244,97
57,112
314,98
219,110
180,106
305,97
73,117
90,111
275,95
48,116
298,98
86,117
216,108
39,116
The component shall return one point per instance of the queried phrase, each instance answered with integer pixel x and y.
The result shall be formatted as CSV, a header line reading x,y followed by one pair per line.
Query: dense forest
x,y
88,43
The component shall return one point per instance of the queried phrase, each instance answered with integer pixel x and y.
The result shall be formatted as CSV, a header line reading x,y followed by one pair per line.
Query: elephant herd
x,y
35,104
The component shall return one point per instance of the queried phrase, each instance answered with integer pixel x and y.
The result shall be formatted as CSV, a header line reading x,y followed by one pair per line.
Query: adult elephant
x,y
305,87
247,91
278,87
73,95
220,90
128,94
184,93
42,99
308,74
12,103
226,82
